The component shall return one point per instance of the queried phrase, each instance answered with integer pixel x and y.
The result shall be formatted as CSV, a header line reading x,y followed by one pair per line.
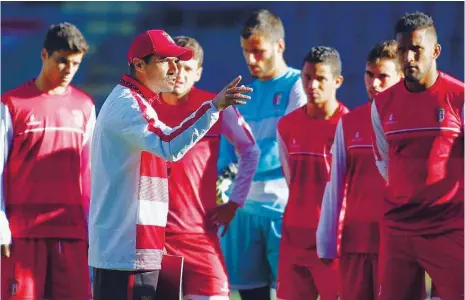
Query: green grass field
x,y
235,295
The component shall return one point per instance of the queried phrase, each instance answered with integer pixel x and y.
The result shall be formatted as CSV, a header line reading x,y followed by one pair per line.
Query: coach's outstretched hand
x,y
232,95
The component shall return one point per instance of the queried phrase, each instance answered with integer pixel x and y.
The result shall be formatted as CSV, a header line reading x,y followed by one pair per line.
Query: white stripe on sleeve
x,y
283,157
238,133
333,198
297,97
6,139
380,144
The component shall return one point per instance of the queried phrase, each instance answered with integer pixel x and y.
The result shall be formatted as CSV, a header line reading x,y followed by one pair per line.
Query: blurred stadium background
x,y
351,27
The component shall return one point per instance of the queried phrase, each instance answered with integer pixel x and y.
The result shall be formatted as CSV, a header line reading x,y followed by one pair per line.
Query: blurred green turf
x,y
235,294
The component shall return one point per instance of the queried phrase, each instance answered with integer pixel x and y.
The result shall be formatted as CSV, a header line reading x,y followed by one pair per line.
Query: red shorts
x,y
204,269
404,259
434,290
306,280
359,276
46,268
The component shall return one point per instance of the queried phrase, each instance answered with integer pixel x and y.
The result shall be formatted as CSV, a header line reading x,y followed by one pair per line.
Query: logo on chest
x,y
357,137
391,119
294,146
32,121
360,139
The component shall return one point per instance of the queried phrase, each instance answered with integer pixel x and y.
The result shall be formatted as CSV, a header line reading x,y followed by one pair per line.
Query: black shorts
x,y
124,285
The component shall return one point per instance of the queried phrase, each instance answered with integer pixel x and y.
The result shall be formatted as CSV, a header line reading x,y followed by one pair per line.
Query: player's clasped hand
x,y
327,261
6,250
223,215
232,95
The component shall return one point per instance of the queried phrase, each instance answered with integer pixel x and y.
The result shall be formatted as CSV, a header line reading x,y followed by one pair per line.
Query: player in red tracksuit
x,y
305,138
418,126
355,178
45,133
193,216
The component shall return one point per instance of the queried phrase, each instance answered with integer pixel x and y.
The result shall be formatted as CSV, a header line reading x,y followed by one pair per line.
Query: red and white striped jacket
x,y
129,200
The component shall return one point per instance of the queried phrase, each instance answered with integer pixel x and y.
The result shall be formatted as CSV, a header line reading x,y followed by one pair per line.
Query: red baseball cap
x,y
157,42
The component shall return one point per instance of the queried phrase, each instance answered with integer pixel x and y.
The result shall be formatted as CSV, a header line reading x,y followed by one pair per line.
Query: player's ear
x,y
44,54
281,45
199,74
138,64
339,80
400,74
436,51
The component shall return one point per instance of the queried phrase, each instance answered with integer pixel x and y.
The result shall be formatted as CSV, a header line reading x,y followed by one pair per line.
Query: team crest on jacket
x,y
277,98
440,113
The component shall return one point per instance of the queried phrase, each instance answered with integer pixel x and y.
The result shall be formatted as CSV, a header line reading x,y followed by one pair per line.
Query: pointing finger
x,y
235,82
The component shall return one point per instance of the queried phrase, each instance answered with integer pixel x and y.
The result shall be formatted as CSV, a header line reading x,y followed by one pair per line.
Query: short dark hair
x,y
325,55
384,50
146,59
263,22
193,44
415,21
65,36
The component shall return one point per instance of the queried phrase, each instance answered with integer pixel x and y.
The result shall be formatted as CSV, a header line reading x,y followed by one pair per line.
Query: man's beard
x,y
411,78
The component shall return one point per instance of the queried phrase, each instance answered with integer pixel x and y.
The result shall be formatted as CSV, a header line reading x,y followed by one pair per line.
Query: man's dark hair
x,y
263,22
192,44
384,50
326,55
65,36
415,21
132,69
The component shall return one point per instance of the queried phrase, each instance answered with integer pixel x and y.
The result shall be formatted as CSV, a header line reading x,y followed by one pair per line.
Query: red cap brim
x,y
176,51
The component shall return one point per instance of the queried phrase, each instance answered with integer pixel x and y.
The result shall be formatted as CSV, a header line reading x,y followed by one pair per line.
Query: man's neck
x,y
324,111
425,83
174,99
45,86
280,69
146,83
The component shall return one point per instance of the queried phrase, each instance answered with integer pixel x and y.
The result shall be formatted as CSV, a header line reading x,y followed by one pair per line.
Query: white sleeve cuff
x,y
5,233
215,109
